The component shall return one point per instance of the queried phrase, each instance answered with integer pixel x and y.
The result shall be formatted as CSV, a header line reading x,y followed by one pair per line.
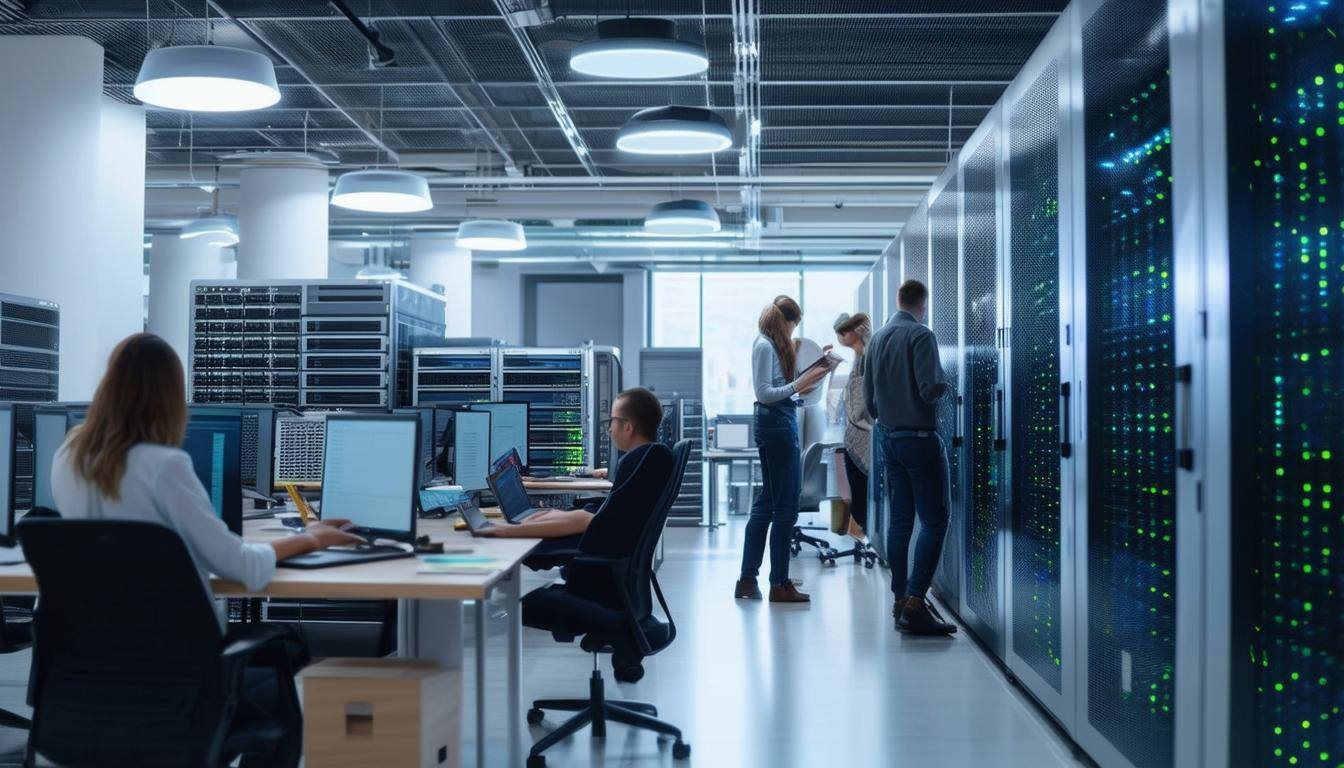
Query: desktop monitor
x,y
732,436
424,455
368,473
8,429
214,443
51,422
464,446
508,428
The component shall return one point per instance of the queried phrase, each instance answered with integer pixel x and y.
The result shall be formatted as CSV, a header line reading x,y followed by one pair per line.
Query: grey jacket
x,y
903,377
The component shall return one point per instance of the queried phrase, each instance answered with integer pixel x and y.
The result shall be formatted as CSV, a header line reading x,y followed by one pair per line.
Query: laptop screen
x,y
368,473
507,485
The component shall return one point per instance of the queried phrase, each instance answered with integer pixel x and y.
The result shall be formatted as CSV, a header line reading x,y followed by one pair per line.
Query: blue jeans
x,y
775,508
915,471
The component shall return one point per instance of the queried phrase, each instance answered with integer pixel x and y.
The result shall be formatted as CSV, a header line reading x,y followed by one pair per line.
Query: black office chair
x,y
809,500
628,630
130,666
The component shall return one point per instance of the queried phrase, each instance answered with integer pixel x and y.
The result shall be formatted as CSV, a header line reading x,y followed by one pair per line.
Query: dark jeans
x,y
915,468
858,492
775,508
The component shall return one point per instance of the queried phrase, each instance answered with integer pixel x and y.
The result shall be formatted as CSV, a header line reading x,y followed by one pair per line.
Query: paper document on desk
x,y
459,564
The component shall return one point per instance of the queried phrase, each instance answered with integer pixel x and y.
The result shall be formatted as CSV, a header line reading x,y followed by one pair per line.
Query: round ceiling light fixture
x,y
491,235
682,218
216,229
207,78
674,131
382,192
638,49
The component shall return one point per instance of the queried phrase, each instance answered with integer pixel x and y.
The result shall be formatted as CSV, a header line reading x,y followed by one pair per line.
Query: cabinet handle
x,y
1185,453
1001,441
957,438
1065,434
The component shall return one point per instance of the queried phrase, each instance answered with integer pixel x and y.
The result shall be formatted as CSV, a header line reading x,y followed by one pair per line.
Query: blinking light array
x,y
979,271
1131,380
1286,107
1034,352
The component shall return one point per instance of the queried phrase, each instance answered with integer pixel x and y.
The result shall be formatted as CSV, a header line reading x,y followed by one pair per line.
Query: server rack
x,y
455,375
1037,364
675,375
30,332
312,344
944,318
1261,432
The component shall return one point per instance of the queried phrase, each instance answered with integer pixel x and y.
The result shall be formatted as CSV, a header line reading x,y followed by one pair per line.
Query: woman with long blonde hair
x,y
125,462
774,362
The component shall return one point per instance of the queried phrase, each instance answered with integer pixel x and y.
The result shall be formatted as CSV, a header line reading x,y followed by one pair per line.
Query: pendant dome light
x,y
491,235
214,228
682,218
207,78
638,49
674,131
380,191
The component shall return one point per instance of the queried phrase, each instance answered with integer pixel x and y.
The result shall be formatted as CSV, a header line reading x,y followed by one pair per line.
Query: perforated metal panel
x,y
981,558
1130,593
1034,392
1285,142
915,244
943,292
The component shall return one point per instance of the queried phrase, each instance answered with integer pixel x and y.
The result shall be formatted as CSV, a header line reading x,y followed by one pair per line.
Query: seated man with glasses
x,y
633,426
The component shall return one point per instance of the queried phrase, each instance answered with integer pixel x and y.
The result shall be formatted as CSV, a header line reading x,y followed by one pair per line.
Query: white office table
x,y
430,619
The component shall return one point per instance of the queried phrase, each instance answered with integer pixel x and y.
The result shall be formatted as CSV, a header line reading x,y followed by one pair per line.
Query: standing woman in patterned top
x,y
774,363
853,331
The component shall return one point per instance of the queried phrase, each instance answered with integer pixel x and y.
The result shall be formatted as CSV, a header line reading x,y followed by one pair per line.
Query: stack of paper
x,y
460,564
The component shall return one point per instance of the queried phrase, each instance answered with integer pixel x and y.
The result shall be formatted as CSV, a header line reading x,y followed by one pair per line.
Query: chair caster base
x,y
535,716
536,761
680,751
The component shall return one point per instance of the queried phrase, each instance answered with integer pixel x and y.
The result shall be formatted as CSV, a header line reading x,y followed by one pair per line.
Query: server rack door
x,y
1284,72
943,319
1126,558
915,247
1036,275
982,396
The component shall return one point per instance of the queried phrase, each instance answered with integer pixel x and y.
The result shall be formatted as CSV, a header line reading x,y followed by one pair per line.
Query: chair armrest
x,y
255,643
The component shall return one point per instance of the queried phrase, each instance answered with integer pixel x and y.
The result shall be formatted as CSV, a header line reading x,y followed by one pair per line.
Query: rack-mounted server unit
x,y
30,332
674,374
310,344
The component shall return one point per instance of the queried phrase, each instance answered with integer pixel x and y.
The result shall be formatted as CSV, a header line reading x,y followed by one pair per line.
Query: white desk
x,y
715,458
430,603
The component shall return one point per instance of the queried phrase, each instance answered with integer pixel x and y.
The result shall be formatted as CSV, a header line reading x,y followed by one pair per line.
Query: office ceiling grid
x,y
846,84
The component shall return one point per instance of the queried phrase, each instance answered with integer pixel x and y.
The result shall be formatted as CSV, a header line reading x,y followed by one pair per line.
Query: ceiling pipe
x,y
386,56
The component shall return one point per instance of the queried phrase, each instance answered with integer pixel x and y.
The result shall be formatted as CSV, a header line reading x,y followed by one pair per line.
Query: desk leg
x,y
482,613
513,596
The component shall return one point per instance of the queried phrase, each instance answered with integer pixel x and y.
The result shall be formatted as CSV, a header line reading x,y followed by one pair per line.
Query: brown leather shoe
x,y
787,593
746,589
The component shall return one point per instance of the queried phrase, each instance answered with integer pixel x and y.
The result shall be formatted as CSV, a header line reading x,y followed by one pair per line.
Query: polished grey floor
x,y
751,684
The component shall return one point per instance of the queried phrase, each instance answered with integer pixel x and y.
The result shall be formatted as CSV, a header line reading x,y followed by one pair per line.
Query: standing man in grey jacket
x,y
901,387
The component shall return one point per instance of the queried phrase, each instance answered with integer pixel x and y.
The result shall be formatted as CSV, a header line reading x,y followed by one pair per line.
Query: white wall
x,y
62,183
121,223
173,264
497,307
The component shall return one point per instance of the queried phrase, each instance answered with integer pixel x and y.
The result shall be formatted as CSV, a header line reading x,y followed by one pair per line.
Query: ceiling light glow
x,y
682,218
207,78
491,235
638,49
216,229
674,131
382,192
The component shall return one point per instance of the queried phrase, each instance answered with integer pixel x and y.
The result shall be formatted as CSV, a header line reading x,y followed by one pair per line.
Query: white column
x,y
56,190
173,264
282,221
438,261
120,243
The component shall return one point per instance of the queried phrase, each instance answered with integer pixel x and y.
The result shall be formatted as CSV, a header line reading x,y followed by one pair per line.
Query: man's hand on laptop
x,y
327,536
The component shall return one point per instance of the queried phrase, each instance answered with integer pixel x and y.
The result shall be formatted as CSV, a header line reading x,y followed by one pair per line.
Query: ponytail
x,y
774,325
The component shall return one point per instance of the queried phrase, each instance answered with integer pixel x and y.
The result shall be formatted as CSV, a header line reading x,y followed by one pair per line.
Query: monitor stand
x,y
11,555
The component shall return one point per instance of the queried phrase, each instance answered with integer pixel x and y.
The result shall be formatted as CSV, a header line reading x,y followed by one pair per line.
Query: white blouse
x,y
160,486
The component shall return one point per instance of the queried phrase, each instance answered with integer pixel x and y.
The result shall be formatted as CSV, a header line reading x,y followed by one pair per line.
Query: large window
x,y
719,311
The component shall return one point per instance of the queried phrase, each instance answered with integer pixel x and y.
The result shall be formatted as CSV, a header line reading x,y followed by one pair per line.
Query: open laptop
x,y
506,483
368,477
474,517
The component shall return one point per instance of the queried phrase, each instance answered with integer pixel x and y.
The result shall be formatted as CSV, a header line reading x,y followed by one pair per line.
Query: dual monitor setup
x,y
372,464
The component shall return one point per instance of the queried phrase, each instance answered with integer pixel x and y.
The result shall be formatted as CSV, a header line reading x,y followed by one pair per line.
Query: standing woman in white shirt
x,y
774,360
125,463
